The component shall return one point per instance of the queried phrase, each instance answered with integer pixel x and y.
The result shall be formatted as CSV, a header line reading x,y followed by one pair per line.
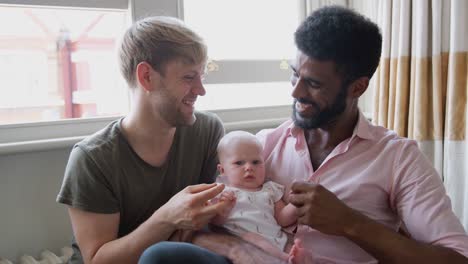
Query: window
x,y
59,63
248,87
250,43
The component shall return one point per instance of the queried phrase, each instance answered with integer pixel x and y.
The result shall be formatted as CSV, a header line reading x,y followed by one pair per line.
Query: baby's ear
x,y
220,169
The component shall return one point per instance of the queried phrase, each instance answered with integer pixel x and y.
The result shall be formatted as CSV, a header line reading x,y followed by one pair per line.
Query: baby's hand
x,y
224,197
227,196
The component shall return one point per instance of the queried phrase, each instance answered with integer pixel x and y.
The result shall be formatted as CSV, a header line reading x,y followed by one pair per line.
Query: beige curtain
x,y
421,84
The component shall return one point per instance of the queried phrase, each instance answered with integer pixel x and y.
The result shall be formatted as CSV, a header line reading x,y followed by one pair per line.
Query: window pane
x,y
250,43
244,95
59,63
245,29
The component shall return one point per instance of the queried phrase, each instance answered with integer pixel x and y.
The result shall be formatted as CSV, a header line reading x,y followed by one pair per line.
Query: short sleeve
x,y
275,190
85,186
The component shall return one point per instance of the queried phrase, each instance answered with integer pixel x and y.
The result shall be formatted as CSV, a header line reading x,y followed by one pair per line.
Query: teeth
x,y
189,102
301,106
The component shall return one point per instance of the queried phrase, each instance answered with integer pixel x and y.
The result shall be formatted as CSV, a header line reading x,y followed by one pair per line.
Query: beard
x,y
323,117
173,116
169,111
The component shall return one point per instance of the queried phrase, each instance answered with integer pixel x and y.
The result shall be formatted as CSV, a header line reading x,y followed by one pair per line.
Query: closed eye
x,y
309,81
313,84
189,78
256,162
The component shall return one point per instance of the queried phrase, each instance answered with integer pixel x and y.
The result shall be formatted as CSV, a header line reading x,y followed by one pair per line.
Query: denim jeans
x,y
179,252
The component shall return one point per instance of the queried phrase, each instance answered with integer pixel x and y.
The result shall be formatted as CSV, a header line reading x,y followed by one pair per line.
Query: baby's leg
x,y
298,255
264,244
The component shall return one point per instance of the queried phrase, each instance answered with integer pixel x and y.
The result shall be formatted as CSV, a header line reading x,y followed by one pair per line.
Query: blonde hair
x,y
157,41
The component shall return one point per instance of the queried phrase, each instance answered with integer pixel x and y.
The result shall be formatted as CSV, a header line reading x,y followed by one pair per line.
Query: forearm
x,y
387,246
287,215
129,248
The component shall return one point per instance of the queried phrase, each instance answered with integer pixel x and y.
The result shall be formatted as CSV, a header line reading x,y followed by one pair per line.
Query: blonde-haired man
x,y
144,176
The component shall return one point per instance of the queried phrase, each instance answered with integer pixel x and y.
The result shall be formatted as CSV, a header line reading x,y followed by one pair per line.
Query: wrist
x,y
355,224
160,218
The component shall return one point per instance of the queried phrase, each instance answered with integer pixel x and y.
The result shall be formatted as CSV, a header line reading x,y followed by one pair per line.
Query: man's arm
x,y
390,247
96,234
322,210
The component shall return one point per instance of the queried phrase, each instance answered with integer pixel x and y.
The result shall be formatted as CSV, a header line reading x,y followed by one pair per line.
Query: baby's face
x,y
243,165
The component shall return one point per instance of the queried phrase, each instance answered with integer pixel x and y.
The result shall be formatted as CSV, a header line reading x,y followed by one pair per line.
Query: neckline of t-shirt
x,y
140,160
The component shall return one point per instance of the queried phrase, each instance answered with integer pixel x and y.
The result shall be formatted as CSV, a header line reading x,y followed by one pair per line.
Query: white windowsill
x,y
41,136
51,135
56,143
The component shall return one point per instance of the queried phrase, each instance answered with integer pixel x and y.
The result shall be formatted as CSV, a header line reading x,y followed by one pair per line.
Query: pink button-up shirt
x,y
376,172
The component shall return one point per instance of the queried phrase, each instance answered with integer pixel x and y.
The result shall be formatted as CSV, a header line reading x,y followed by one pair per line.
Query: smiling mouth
x,y
189,102
301,107
306,108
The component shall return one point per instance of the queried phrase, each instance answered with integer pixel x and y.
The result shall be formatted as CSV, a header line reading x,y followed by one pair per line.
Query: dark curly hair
x,y
343,36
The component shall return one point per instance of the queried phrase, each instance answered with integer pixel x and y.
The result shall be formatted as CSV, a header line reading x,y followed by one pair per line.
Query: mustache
x,y
305,101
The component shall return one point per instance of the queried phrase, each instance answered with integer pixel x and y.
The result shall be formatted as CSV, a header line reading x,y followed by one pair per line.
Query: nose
x,y
248,167
298,91
198,88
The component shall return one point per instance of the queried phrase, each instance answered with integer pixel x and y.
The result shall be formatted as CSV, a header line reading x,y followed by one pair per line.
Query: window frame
x,y
107,4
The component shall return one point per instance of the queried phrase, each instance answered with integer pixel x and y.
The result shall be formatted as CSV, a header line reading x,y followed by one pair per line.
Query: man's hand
x,y
189,209
181,235
321,209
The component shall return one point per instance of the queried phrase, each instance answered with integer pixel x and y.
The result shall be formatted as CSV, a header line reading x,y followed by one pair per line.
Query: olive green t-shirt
x,y
104,174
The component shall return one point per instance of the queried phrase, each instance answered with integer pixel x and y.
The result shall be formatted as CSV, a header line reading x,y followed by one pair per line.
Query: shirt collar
x,y
363,128
294,130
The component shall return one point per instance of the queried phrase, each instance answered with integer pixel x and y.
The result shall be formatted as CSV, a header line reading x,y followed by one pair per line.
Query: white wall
x,y
30,219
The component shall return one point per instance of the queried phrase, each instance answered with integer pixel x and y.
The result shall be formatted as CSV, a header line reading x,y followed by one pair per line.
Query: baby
x,y
259,211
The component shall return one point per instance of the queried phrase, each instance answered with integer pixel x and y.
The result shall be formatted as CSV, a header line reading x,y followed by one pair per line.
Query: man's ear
x,y
358,87
146,76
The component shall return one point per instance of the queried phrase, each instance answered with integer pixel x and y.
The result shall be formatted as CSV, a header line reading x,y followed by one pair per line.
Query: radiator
x,y
46,257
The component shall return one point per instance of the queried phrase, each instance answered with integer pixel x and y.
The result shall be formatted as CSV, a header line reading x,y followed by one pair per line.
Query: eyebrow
x,y
307,79
195,72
